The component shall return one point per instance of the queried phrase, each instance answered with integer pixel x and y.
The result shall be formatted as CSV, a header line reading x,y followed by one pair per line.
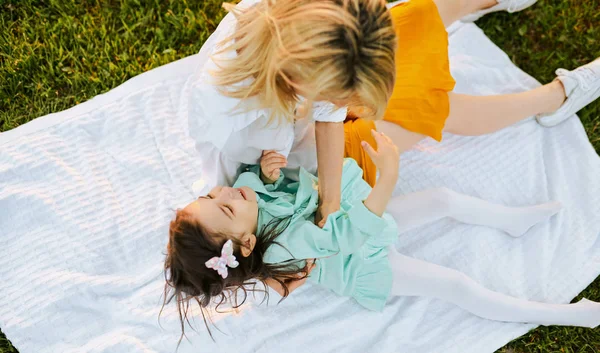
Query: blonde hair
x,y
339,49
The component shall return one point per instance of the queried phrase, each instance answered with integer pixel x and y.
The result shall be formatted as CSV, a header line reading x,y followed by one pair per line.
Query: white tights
x,y
414,277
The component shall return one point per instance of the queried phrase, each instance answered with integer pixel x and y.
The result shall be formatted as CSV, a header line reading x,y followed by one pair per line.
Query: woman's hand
x,y
324,210
292,284
271,163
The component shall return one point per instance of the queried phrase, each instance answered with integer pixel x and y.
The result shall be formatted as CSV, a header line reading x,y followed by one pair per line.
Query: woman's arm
x,y
347,230
330,159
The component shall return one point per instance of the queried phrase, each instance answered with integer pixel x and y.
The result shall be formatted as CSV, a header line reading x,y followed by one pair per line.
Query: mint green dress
x,y
351,249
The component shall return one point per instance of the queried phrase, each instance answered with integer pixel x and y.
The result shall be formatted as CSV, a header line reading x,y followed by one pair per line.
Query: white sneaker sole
x,y
576,101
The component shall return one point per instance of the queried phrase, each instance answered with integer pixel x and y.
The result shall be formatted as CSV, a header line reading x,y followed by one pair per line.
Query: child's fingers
x,y
377,136
266,161
273,157
370,151
273,172
270,167
387,138
274,175
381,138
385,142
391,142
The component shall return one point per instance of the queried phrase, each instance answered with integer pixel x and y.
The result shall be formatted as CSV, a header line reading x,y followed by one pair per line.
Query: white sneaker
x,y
503,5
582,86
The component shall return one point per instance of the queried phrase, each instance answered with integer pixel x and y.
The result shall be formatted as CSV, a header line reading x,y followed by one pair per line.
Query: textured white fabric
x,y
86,196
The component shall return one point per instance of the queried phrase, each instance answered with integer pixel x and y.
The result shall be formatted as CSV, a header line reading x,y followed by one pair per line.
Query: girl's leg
x,y
419,208
414,277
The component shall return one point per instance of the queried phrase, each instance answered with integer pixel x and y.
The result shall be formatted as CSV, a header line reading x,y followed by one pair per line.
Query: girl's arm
x,y
330,158
292,285
276,286
380,196
387,160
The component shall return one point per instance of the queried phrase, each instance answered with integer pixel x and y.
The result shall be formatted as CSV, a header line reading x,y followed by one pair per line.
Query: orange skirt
x,y
356,131
419,102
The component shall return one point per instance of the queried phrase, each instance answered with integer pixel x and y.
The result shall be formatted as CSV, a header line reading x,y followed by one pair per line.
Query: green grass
x,y
549,35
55,54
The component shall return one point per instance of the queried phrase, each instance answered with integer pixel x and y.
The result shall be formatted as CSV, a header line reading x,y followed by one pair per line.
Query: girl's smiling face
x,y
229,213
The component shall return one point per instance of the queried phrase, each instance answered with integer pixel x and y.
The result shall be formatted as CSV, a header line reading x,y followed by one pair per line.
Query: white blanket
x,y
86,196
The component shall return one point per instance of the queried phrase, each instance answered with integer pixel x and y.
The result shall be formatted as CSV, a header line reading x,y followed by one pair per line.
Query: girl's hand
x,y
271,163
292,284
296,283
386,158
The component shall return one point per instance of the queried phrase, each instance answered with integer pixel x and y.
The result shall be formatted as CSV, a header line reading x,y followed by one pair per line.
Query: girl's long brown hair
x,y
188,279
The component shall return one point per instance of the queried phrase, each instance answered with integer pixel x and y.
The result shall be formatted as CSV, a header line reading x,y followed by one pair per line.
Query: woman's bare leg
x,y
480,115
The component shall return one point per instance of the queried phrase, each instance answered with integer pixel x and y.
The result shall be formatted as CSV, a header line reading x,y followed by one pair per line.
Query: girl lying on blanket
x,y
263,229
